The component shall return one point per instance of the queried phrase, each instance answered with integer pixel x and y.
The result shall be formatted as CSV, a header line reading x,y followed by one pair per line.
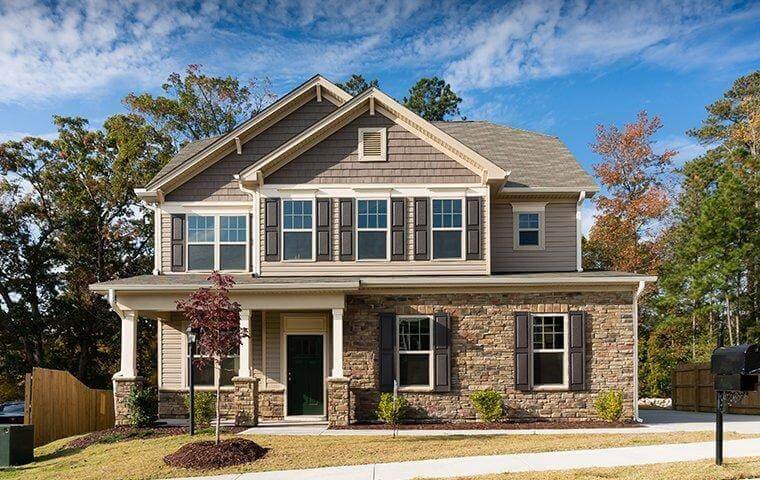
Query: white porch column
x,y
245,345
128,345
337,342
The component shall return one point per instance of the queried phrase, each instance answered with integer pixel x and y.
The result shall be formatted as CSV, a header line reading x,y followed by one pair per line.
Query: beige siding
x,y
560,238
216,183
166,242
273,335
256,341
335,160
172,339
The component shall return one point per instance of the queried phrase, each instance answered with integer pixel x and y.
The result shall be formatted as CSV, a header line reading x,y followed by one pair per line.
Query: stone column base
x,y
121,388
246,401
338,401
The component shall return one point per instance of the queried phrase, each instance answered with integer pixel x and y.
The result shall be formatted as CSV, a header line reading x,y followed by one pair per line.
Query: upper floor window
x,y
372,229
528,226
372,144
447,228
217,242
297,230
549,350
414,350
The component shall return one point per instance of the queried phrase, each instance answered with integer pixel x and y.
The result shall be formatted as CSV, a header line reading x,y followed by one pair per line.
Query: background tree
x,y
198,106
356,84
626,235
433,99
217,321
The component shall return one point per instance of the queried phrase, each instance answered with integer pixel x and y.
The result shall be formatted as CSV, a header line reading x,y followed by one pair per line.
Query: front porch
x,y
288,368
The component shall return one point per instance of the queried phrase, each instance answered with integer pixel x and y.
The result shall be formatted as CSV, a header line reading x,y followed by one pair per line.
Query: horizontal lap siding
x,y
216,183
256,341
273,334
171,353
166,242
335,160
560,238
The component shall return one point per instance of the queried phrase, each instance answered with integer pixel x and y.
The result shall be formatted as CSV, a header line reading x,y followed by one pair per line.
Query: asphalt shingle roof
x,y
187,152
535,159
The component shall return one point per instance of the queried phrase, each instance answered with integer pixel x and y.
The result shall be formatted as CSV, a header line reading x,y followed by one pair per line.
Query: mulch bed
x,y
208,455
545,425
124,433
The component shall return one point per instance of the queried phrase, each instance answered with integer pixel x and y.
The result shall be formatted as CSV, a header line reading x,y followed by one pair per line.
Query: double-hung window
x,y
297,231
414,350
528,228
372,229
447,229
204,374
217,242
549,350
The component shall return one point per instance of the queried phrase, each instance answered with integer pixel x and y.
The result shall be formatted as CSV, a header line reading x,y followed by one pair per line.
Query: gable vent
x,y
372,144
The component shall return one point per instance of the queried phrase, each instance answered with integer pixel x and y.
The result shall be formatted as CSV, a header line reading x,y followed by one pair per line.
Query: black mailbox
x,y
736,368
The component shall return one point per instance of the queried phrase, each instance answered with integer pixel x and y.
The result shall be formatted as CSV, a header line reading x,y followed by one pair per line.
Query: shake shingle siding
x,y
336,160
216,183
559,254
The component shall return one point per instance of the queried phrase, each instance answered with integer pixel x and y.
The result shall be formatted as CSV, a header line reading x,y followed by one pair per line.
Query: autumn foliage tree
x,y
626,235
216,319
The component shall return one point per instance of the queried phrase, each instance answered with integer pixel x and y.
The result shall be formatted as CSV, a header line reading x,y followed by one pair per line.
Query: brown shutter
x,y
178,242
387,351
442,352
422,229
346,228
523,360
473,234
323,229
272,229
577,353
398,234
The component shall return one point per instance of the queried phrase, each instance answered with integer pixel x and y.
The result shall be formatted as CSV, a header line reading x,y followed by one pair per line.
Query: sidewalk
x,y
484,465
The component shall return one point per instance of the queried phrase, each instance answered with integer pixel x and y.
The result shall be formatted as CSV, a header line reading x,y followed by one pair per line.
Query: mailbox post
x,y
735,369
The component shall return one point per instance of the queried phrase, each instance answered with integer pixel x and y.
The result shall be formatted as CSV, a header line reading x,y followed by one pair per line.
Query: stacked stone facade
x,y
271,404
338,402
482,352
121,389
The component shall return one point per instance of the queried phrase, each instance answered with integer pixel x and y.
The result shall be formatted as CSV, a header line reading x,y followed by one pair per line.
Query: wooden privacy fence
x,y
59,405
693,391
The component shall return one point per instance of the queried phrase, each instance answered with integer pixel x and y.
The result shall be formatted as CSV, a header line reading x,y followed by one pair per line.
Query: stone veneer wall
x,y
171,405
271,404
482,351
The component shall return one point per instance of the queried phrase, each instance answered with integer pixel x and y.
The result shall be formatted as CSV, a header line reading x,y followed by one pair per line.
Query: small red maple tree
x,y
216,319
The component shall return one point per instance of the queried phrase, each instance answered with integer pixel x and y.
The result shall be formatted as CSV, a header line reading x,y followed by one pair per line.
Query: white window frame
x,y
398,353
383,157
217,236
387,229
312,230
461,229
565,351
523,208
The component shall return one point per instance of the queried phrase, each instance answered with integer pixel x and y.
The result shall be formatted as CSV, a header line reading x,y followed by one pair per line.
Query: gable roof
x,y
200,152
534,160
374,99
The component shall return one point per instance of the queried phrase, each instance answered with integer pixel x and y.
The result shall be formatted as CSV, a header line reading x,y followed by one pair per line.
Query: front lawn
x,y
143,458
732,469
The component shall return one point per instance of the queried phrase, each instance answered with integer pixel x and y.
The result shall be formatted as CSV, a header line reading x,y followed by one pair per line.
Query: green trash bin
x,y
16,444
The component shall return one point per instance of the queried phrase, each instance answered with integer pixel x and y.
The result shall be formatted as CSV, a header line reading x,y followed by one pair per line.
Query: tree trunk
x,y
217,367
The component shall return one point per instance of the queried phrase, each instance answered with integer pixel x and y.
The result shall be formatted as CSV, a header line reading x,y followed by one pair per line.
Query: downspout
x,y
112,303
255,225
578,234
156,237
636,296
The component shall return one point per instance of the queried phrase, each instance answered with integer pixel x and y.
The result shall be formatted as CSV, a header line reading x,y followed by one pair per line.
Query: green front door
x,y
305,375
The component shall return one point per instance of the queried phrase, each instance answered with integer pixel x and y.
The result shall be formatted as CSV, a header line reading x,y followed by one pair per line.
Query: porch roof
x,y
247,282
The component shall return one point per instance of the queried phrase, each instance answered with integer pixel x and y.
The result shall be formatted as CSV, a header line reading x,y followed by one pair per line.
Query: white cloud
x,y
6,136
687,148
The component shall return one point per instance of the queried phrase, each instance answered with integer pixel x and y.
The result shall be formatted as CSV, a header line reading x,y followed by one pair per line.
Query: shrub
x,y
204,407
488,405
391,410
609,405
142,403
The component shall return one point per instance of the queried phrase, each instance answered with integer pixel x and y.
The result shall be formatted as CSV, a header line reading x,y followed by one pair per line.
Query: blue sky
x,y
551,66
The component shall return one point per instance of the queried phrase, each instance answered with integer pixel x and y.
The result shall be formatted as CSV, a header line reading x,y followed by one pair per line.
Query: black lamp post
x,y
719,400
191,339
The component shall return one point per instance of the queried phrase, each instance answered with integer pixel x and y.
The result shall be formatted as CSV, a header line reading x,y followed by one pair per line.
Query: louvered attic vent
x,y
372,144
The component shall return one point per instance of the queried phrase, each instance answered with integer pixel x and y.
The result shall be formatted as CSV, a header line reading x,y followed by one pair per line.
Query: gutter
x,y
260,287
255,234
499,281
636,296
578,234
156,237
112,303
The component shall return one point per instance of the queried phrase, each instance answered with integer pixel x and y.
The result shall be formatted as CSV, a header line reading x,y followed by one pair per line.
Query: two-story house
x,y
375,250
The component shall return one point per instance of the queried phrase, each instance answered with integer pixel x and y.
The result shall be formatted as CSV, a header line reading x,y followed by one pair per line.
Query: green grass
x,y
143,458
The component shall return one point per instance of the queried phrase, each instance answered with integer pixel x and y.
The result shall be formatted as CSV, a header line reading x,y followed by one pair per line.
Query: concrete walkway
x,y
534,462
655,421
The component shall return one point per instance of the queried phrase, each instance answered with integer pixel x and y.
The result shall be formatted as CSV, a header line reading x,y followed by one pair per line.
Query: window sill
x,y
550,388
416,389
527,247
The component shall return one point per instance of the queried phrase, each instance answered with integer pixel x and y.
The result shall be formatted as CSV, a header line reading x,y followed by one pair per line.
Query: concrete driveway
x,y
677,421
